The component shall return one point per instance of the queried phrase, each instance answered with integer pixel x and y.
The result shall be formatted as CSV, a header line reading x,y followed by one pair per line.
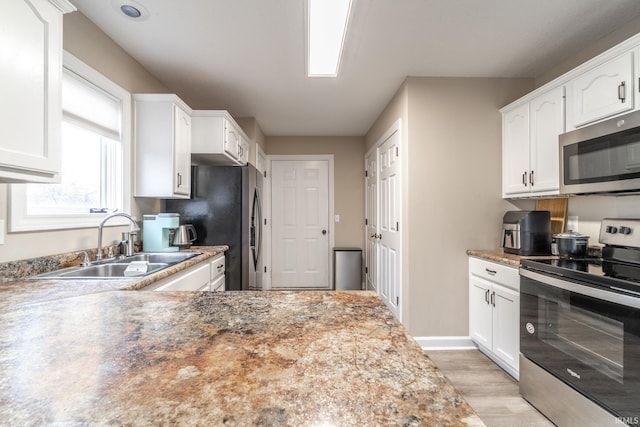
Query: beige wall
x,y
87,42
348,163
452,190
594,49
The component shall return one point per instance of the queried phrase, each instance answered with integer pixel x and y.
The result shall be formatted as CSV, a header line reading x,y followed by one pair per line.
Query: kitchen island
x,y
227,358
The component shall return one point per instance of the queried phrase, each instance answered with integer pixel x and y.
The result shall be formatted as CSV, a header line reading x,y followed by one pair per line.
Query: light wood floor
x,y
490,391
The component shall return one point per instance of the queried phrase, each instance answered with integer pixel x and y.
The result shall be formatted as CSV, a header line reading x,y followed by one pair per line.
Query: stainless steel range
x,y
580,332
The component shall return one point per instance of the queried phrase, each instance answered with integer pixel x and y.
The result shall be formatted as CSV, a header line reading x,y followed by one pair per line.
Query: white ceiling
x,y
248,56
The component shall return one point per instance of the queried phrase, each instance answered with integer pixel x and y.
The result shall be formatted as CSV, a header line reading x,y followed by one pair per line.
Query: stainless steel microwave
x,y
602,158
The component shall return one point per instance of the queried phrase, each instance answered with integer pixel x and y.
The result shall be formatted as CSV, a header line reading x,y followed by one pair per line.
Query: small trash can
x,y
347,269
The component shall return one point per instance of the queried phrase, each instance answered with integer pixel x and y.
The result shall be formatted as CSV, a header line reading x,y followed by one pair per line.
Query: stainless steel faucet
x,y
107,218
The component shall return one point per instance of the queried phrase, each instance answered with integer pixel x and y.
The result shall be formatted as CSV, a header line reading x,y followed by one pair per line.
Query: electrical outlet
x,y
337,218
572,223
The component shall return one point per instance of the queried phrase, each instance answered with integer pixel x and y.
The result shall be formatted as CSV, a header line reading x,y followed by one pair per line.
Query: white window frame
x,y
20,221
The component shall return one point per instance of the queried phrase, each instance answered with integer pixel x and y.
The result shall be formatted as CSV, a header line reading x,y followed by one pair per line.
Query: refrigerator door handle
x,y
256,229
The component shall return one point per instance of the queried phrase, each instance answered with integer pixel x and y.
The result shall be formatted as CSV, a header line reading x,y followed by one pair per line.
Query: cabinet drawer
x,y
217,267
192,279
492,271
218,284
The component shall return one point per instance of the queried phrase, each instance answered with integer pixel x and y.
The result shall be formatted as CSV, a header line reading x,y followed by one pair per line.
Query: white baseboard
x,y
446,343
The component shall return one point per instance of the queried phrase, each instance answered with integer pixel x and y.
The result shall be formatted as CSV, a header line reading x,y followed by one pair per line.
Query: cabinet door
x,y
604,91
547,123
231,140
515,151
182,152
480,312
243,151
506,321
30,115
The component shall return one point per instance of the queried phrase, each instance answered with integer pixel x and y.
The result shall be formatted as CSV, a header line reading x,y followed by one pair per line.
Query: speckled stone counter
x,y
219,358
498,255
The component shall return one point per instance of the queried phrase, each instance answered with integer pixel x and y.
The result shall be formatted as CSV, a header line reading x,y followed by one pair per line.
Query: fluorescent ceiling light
x,y
326,30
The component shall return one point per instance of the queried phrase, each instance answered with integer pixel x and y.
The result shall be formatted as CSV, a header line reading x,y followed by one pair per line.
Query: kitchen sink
x,y
115,268
161,257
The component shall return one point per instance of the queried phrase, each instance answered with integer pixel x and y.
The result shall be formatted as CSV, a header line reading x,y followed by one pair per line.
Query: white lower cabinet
x,y
194,278
494,312
205,276
217,274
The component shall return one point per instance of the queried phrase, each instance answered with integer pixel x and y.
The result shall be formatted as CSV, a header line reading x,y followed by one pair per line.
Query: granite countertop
x,y
219,358
498,255
75,353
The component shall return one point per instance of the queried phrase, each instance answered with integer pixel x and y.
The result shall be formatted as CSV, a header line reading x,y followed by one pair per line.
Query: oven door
x,y
586,336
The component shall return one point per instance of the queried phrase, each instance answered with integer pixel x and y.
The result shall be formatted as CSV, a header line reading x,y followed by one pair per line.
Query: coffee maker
x,y
158,232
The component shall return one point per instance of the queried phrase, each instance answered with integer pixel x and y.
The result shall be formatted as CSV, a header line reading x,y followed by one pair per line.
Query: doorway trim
x,y
268,212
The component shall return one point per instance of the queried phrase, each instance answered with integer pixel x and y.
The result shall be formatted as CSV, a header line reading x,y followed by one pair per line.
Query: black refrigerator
x,y
225,209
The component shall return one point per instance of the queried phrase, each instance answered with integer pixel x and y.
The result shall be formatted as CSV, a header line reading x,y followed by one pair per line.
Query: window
x,y
95,157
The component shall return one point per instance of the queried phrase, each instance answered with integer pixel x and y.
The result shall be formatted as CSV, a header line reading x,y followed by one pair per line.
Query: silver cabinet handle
x,y
531,178
524,179
493,298
491,272
622,92
486,296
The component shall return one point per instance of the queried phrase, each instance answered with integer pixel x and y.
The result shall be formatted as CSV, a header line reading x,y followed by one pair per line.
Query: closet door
x,y
383,189
389,222
371,219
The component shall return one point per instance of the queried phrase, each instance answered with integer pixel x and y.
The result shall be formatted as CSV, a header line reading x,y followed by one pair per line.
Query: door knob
x,y
324,232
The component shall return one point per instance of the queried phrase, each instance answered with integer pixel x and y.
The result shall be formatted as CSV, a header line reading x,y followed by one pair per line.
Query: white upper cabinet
x,y
515,150
601,92
217,139
530,152
546,124
31,69
163,146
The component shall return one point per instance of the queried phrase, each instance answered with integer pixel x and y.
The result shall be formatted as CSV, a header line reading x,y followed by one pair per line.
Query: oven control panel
x,y
620,232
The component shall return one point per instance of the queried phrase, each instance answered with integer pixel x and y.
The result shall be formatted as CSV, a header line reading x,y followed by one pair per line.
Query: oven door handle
x,y
610,296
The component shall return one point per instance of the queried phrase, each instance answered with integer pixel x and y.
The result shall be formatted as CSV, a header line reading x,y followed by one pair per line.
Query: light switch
x,y
337,218
1,231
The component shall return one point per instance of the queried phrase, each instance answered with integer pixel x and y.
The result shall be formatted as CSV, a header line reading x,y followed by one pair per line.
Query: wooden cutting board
x,y
558,208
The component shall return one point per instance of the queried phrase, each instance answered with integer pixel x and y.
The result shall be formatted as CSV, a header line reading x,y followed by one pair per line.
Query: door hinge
x,y
366,173
265,269
397,226
366,270
265,174
265,221
396,151
397,300
366,221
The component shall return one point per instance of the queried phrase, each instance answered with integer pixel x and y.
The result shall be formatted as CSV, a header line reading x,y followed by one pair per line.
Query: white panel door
x,y
389,222
371,215
300,219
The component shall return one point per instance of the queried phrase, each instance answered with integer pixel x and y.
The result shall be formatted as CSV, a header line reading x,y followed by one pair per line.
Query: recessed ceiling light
x,y
130,9
326,30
